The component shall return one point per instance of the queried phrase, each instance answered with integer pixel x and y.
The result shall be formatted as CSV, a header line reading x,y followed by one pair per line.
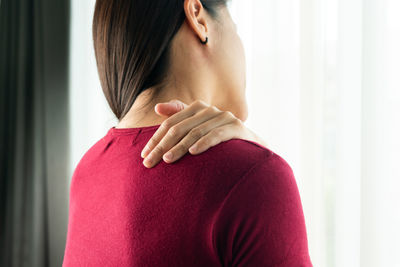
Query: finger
x,y
231,123
171,121
177,132
213,138
168,123
170,108
225,118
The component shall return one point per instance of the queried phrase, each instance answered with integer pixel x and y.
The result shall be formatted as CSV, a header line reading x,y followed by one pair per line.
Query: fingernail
x,y
144,152
147,162
193,149
168,156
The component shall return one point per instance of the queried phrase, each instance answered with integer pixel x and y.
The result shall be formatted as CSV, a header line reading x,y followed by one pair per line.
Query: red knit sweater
x,y
236,204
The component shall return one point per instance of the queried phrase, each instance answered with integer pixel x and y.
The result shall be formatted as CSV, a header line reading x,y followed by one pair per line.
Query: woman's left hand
x,y
194,128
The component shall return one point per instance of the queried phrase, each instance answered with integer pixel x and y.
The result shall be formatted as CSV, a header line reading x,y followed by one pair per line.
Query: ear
x,y
196,18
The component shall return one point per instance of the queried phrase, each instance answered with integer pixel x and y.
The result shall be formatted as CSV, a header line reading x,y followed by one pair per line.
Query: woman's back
x,y
236,204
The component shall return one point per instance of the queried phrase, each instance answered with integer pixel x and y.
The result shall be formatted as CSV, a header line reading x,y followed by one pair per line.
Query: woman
x,y
235,204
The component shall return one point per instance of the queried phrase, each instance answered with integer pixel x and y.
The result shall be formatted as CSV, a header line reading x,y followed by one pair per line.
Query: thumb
x,y
169,108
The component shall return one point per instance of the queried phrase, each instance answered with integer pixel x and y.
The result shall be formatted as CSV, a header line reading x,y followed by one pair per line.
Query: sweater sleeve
x,y
261,221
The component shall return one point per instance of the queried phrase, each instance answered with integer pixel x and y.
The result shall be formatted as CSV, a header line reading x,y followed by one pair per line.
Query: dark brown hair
x,y
132,43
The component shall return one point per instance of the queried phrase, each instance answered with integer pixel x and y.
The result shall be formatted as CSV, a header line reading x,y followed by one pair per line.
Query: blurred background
x,y
323,89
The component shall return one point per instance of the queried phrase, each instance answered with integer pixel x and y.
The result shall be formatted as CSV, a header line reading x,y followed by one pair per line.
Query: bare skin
x,y
193,128
209,77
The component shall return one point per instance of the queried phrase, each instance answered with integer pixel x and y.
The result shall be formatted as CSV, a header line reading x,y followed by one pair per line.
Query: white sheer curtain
x,y
323,88
324,91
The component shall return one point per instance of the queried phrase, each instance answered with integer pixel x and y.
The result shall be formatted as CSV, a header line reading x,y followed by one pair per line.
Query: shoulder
x,y
262,218
239,159
238,165
265,174
235,156
90,156
267,177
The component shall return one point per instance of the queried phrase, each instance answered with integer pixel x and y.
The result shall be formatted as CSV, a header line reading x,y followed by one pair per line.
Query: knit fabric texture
x,y
236,204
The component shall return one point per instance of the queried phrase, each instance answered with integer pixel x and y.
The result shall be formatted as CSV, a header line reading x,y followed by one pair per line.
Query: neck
x,y
142,112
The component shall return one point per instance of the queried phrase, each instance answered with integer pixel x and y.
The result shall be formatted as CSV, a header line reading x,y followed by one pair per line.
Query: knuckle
x,y
180,148
200,103
213,109
237,121
196,133
159,149
166,124
228,114
218,132
173,131
204,142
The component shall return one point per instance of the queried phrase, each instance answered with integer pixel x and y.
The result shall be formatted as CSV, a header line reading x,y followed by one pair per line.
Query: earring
x,y
204,42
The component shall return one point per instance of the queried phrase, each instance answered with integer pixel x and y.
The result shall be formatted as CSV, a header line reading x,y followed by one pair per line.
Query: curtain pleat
x,y
33,131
